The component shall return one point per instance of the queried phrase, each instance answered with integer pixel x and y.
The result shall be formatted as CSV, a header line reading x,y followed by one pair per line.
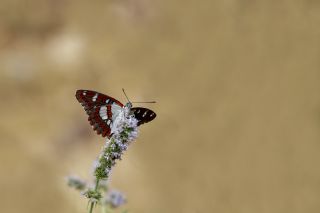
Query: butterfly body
x,y
103,111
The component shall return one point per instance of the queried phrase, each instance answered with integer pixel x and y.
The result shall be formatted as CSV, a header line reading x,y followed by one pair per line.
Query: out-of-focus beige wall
x,y
237,88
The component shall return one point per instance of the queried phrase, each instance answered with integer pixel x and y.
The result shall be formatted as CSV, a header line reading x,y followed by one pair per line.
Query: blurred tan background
x,y
237,86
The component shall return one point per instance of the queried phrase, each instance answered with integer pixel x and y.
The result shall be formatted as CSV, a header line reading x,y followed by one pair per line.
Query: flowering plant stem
x,y
124,131
95,190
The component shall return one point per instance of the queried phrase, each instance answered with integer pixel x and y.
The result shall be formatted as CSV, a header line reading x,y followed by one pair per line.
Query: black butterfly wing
x,y
98,107
143,115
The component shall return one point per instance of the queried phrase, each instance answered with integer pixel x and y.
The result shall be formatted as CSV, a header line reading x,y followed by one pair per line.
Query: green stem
x,y
95,189
97,184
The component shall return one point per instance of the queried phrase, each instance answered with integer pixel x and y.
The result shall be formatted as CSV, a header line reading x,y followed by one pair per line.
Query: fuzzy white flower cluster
x,y
124,131
114,198
102,195
76,182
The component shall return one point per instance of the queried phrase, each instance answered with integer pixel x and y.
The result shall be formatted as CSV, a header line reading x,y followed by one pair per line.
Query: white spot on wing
x,y
103,112
108,122
138,111
107,101
145,113
94,98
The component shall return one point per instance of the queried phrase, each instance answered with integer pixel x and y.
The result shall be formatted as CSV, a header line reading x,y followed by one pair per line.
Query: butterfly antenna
x,y
150,102
125,95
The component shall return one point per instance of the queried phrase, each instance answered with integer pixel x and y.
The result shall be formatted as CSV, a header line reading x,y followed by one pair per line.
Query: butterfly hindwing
x,y
100,109
143,115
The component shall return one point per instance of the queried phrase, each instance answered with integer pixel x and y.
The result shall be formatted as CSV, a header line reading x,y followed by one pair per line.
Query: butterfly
x,y
103,110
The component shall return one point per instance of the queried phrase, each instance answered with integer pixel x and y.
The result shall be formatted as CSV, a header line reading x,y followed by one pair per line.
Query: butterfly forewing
x,y
143,115
100,109
90,98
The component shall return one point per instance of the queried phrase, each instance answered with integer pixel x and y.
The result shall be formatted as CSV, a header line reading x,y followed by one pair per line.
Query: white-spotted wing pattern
x,y
103,110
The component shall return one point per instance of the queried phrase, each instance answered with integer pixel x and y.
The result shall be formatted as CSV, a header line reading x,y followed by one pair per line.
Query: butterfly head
x,y
128,105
